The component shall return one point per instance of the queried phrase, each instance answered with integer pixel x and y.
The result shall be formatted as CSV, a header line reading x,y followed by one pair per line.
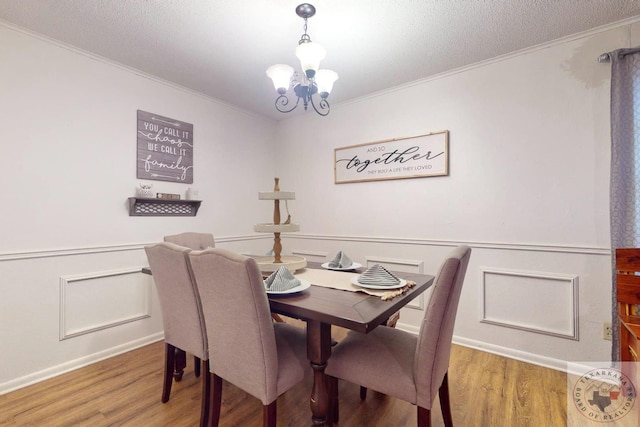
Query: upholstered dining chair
x,y
400,364
182,317
191,240
195,241
259,356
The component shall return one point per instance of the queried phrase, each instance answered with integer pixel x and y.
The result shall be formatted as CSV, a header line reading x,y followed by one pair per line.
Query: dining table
x,y
321,306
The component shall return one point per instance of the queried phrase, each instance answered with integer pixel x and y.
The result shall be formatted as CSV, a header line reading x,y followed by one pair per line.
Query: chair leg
x,y
333,416
215,400
196,366
445,404
180,364
424,417
206,392
169,362
269,414
363,393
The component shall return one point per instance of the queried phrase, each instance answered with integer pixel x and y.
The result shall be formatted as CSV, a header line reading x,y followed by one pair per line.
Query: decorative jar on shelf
x,y
192,194
145,191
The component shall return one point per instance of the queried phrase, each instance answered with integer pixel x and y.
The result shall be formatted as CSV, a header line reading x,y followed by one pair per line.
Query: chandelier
x,y
313,81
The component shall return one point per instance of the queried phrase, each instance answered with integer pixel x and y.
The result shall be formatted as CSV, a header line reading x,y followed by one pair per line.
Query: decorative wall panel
x,y
535,302
313,256
95,301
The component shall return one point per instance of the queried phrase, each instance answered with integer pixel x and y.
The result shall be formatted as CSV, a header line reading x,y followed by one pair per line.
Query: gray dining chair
x,y
259,356
195,241
191,240
400,364
182,317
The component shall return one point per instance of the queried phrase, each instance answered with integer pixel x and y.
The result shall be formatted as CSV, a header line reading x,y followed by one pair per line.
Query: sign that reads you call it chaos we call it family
x,y
165,149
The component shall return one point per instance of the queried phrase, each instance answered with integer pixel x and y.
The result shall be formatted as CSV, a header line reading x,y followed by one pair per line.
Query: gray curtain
x,y
625,162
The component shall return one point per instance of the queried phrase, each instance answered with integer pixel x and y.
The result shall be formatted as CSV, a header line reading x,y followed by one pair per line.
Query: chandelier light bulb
x,y
324,80
280,74
310,54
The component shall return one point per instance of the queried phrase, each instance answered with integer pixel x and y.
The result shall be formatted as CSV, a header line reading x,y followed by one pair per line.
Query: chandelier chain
x,y
305,38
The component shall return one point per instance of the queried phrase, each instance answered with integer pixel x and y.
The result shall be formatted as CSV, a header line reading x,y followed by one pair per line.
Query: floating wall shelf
x,y
139,206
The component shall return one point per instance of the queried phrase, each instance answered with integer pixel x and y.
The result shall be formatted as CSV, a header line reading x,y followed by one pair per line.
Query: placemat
x,y
342,280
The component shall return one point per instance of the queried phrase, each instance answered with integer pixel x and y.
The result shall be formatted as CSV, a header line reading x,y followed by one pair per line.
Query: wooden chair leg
x,y
424,417
363,393
169,362
206,391
196,366
333,417
215,400
269,414
180,363
445,404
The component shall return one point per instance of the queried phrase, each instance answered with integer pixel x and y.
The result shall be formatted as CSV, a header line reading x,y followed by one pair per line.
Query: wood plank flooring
x,y
486,391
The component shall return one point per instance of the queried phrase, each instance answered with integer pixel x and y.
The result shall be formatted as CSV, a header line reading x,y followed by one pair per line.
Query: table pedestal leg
x,y
318,352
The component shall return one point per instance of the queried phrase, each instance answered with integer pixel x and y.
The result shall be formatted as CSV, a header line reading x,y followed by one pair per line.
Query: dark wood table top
x,y
352,310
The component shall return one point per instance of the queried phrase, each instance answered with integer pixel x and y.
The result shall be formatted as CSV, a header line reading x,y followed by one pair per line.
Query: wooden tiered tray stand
x,y
271,264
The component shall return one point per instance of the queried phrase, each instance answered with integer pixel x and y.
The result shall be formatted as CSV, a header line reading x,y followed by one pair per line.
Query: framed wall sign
x,y
165,149
399,158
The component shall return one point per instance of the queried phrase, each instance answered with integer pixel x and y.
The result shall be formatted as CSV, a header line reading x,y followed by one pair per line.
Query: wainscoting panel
x,y
407,265
313,256
534,302
95,301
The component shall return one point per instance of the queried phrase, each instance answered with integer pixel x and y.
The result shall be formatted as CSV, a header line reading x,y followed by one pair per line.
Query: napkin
x,y
341,260
281,280
379,276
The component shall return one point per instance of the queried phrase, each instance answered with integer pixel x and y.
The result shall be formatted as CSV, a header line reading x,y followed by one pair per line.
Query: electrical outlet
x,y
607,332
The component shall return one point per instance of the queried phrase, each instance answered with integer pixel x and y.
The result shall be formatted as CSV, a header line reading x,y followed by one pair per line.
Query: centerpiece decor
x,y
272,263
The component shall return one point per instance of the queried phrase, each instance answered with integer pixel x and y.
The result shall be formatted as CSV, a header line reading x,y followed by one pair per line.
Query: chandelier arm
x,y
323,105
284,101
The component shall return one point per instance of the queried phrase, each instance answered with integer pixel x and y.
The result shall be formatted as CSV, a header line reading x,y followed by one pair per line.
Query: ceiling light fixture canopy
x,y
313,81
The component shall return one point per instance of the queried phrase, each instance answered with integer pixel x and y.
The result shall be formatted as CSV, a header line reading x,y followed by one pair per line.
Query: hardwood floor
x,y
486,391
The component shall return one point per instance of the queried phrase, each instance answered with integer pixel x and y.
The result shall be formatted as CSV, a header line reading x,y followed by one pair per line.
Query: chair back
x,y
239,326
434,342
195,241
182,315
628,281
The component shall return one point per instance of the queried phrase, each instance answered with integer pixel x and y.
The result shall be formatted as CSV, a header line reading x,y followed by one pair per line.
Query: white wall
x,y
67,244
527,189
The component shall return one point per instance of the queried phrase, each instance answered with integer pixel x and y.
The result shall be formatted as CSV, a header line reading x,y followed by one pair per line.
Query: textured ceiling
x,y
223,47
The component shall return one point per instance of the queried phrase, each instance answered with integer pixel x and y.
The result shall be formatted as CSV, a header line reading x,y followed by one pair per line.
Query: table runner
x,y
342,280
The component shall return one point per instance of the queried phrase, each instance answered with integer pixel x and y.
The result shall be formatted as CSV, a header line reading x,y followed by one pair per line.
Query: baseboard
x,y
71,365
523,356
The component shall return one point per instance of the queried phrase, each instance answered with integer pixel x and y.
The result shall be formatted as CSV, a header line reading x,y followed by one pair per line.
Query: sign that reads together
x,y
413,157
165,149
